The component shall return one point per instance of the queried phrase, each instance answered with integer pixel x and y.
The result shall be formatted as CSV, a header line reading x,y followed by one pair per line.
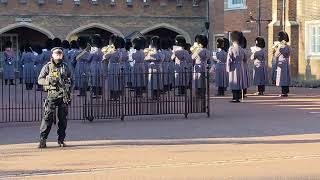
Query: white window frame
x,y
309,38
231,6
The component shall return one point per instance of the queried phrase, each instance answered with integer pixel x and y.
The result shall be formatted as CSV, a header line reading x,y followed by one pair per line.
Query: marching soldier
x,y
201,55
235,62
167,66
8,67
95,59
180,57
138,70
243,45
260,69
38,65
154,58
221,73
81,60
28,60
282,56
55,76
124,64
112,57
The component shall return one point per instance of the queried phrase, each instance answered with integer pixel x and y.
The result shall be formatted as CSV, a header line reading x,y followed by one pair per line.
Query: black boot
x,y
11,82
220,91
138,92
42,144
61,143
245,91
82,92
236,96
94,92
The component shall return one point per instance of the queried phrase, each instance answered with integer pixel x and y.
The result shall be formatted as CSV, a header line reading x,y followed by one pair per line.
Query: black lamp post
x,y
258,20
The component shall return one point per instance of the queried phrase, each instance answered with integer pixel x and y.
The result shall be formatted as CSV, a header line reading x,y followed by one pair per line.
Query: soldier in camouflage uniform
x,y
55,76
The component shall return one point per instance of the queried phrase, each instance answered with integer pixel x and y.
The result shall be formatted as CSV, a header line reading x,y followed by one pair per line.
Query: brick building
x,y
36,20
301,19
237,17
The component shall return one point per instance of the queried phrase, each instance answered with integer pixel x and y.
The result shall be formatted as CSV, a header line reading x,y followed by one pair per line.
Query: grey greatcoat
x,y
235,62
72,54
182,70
282,63
41,60
167,68
28,60
260,69
274,69
200,59
138,70
81,71
246,70
125,66
221,71
8,66
95,68
154,70
114,70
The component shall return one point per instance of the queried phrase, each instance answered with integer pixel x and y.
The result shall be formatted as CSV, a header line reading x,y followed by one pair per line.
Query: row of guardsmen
x,y
158,67
232,69
154,68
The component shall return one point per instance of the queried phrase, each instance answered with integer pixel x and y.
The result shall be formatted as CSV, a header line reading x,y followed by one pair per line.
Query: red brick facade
x,y
236,19
63,20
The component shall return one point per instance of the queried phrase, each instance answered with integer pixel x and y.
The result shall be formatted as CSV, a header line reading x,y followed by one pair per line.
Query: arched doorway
x,y
165,31
20,34
105,32
88,32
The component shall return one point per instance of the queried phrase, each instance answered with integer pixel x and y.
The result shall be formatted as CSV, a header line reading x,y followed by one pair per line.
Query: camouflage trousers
x,y
49,117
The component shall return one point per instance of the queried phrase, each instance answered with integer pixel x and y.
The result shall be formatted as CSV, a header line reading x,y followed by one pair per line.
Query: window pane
x,y
237,2
313,39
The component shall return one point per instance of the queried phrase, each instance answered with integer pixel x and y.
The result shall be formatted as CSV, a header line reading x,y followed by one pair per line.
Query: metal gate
x,y
20,105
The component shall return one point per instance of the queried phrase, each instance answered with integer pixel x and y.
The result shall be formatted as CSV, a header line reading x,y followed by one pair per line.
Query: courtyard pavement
x,y
262,138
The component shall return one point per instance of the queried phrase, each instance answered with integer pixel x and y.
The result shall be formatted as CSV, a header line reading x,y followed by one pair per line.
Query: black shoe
x,y
283,95
235,101
42,144
61,144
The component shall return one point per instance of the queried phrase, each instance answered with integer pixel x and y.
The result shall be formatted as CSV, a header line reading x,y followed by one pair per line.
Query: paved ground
x,y
262,138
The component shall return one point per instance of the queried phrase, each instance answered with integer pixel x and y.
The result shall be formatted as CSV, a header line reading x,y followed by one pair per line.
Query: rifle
x,y
87,49
65,87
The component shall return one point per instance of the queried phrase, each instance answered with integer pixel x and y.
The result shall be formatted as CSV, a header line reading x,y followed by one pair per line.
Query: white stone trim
x,y
307,47
27,25
94,25
170,27
231,6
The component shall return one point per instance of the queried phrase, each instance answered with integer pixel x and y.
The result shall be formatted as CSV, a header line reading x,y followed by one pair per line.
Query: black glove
x,y
53,81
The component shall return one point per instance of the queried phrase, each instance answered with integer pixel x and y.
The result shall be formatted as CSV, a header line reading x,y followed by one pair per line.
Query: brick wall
x,y
237,19
60,20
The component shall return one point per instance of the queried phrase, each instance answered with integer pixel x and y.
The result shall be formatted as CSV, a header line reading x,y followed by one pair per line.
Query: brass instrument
x,y
87,49
195,47
277,44
107,49
148,51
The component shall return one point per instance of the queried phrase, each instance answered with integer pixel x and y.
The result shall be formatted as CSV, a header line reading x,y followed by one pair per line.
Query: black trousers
x,y
245,91
49,115
285,89
182,90
236,94
261,88
221,91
